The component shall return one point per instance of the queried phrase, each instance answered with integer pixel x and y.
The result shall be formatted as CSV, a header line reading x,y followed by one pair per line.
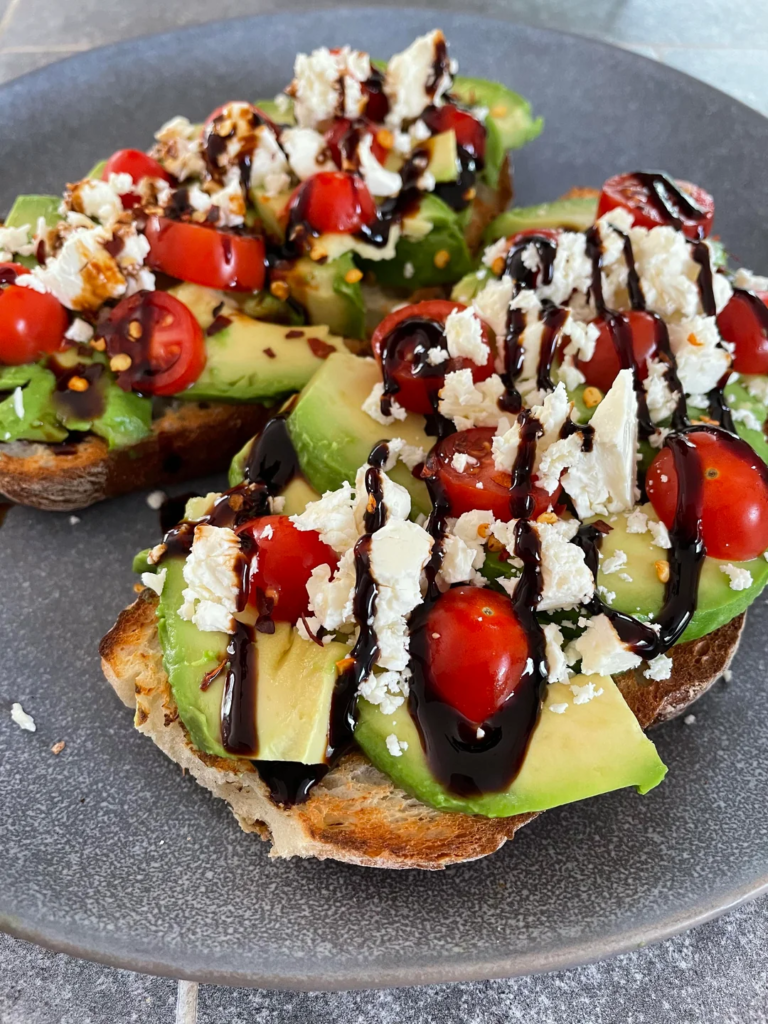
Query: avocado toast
x,y
451,586
148,316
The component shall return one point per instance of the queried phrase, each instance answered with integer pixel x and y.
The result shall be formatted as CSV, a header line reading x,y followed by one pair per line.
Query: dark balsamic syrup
x,y
669,201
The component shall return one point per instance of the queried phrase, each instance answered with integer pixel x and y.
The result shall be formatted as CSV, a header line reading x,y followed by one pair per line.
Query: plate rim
x,y
580,952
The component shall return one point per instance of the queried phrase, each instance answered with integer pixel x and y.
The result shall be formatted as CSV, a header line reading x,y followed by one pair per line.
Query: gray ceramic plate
x,y
107,851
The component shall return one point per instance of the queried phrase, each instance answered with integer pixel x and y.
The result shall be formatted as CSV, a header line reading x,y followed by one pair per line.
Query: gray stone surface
x,y
717,973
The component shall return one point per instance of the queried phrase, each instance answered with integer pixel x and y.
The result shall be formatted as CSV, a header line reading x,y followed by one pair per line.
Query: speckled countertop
x,y
716,973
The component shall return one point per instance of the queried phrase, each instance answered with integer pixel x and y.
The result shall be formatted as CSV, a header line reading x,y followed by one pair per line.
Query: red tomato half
x,y
744,321
138,165
477,650
479,484
470,133
204,255
419,328
164,341
603,368
734,518
334,202
693,215
285,562
343,129
31,323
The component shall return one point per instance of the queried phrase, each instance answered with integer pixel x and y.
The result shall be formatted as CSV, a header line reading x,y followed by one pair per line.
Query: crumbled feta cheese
x,y
461,460
380,181
758,388
615,562
333,517
659,668
18,402
571,270
230,202
410,454
551,415
269,166
100,200
463,548
74,520
747,417
372,406
492,306
155,580
689,719
464,336
437,355
276,504
601,650
304,148
496,250
557,667
327,84
213,574
469,404
22,719
625,576
396,746
741,579
567,581
410,83
744,278
155,499
15,240
397,500
584,694
701,360
79,331
331,595
387,690
608,596
637,522
660,534
559,708
662,401
408,270
179,149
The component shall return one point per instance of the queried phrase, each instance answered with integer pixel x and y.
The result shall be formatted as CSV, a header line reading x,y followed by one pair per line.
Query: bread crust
x,y
190,439
356,814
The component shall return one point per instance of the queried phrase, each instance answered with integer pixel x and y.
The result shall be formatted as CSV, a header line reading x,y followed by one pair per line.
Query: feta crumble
x,y
327,84
396,746
601,650
584,694
155,580
410,83
213,577
22,719
614,562
559,709
372,406
469,404
464,336
741,579
461,460
557,666
659,668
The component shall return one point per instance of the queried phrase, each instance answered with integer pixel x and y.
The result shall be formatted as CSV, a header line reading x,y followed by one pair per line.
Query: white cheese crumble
x,y
155,499
22,719
492,305
567,581
747,417
327,84
559,709
212,574
269,166
662,401
461,460
659,668
701,359
397,500
372,406
551,415
333,517
637,521
469,404
741,579
15,240
660,534
615,562
387,690
276,504
396,746
304,147
79,331
463,548
437,355
408,82
380,181
464,336
744,278
601,650
410,454
179,149
18,402
155,580
408,270
584,694
557,666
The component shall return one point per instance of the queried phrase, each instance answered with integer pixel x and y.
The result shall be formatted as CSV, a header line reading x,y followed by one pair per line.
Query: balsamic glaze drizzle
x,y
669,200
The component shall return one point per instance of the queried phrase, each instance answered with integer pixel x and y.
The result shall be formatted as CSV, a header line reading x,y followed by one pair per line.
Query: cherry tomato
x,y
343,129
164,341
632,193
470,133
419,328
138,165
334,202
285,562
31,323
734,516
744,321
377,103
477,650
204,255
463,487
603,368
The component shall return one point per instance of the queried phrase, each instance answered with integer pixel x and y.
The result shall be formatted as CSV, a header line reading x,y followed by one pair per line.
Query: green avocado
x,y
279,114
26,410
272,212
588,749
296,679
575,214
740,401
250,359
326,294
443,156
333,436
27,210
642,595
509,111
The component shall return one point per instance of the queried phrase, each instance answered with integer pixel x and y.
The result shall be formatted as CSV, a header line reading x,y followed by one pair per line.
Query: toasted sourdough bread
x,y
192,439
356,814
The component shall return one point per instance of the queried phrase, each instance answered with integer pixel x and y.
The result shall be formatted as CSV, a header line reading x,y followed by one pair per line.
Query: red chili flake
x,y
602,527
320,348
294,334
270,352
219,324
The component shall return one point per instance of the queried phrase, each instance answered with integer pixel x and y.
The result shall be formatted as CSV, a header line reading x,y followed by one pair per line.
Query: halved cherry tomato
x,y
377,103
646,201
734,517
477,650
334,202
138,165
285,562
603,368
404,338
470,133
744,321
31,323
164,341
343,128
479,484
204,255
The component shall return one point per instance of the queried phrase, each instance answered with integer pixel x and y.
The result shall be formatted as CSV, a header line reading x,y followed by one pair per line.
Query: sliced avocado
x,y
265,306
249,359
295,681
738,398
272,212
586,750
470,285
280,114
495,153
27,210
97,170
642,595
575,214
26,409
333,436
326,294
443,156
439,257
510,112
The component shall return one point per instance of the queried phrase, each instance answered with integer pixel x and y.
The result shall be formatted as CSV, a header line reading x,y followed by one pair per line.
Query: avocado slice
x,y
589,749
575,214
250,359
296,679
509,111
27,210
737,397
333,436
97,170
326,294
644,595
272,211
27,414
443,156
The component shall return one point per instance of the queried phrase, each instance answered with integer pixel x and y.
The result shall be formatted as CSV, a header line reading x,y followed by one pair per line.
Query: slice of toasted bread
x,y
356,814
191,439
489,203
